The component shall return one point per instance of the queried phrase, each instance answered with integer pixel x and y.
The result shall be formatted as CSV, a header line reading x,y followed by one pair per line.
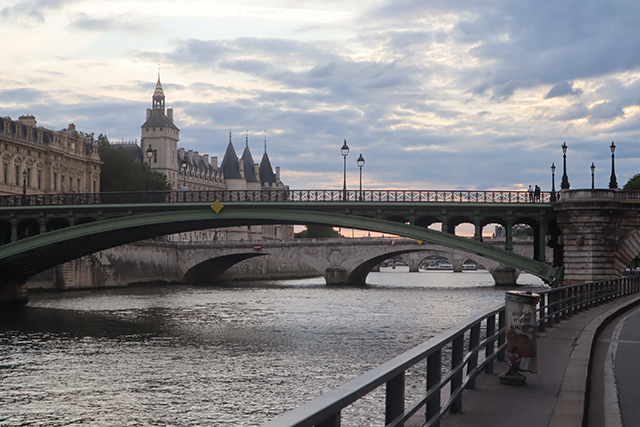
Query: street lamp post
x,y
24,182
360,164
149,156
553,182
613,182
345,153
593,176
565,178
183,166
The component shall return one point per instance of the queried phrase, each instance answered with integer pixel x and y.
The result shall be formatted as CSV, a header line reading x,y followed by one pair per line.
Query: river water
x,y
234,355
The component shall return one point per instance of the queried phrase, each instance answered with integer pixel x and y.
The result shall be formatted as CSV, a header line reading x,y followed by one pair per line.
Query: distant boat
x,y
440,266
470,267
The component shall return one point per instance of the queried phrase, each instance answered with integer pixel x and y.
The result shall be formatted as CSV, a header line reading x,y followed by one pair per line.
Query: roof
x,y
249,172
158,119
266,171
230,165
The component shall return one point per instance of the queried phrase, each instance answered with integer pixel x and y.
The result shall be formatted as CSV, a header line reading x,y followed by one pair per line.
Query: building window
x,y
6,173
79,185
39,180
55,181
29,177
17,175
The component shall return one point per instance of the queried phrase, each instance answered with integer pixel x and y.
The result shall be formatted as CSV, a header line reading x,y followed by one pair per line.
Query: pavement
x,y
584,364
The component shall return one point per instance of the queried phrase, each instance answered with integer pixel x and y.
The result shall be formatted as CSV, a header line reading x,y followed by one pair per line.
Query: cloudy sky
x,y
436,94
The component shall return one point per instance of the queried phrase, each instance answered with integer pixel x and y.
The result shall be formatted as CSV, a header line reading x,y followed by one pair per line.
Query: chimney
x,y
214,162
170,114
277,173
29,120
148,113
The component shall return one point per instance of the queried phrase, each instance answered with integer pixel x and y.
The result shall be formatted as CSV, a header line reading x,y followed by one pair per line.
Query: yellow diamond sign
x,y
217,206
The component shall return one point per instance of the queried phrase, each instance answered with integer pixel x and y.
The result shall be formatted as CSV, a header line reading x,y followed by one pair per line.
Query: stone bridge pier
x,y
600,233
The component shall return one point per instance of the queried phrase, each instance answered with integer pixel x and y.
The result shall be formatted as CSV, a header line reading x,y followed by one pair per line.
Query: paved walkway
x,y
555,397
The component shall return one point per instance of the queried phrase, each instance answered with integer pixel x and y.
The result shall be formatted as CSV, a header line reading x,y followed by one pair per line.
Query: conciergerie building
x,y
190,170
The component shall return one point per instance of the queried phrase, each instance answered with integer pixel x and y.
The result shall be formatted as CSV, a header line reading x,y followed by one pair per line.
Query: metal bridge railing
x,y
278,195
453,360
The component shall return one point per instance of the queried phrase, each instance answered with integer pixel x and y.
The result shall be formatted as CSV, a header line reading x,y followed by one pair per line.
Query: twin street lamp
x,y
345,152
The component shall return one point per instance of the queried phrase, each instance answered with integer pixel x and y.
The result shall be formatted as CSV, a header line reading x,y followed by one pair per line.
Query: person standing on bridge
x,y
536,193
530,194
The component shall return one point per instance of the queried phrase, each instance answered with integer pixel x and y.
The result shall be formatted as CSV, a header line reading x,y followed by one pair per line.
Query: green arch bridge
x,y
38,232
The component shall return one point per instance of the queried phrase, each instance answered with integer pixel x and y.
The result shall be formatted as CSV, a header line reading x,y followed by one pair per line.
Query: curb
x,y
572,406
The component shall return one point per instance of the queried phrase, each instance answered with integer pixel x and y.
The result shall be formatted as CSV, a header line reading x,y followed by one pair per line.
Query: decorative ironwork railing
x,y
364,196
479,335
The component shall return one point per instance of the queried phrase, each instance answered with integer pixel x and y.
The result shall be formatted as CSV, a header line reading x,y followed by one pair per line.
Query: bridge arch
x,y
628,251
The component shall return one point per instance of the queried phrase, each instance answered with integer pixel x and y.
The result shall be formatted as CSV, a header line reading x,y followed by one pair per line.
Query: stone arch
x,y
212,269
628,250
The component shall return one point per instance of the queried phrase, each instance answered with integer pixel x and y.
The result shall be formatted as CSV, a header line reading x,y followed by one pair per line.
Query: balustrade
x,y
276,195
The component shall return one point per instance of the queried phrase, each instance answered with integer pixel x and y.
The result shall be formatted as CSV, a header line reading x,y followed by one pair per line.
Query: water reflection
x,y
233,355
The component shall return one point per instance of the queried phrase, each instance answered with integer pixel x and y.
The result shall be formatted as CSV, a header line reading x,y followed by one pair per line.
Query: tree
x,y
316,232
633,183
120,173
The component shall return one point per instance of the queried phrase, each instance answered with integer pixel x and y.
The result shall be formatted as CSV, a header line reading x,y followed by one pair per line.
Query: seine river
x,y
237,355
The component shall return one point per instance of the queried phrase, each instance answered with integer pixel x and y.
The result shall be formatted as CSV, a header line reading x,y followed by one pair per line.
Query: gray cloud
x,y
562,89
32,11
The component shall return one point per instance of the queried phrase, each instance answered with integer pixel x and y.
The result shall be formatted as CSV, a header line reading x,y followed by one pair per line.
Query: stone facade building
x,y
39,160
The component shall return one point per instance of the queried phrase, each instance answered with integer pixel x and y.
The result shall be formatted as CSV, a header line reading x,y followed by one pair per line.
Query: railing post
x,y
502,321
563,303
474,340
332,421
490,348
542,316
457,355
434,373
394,402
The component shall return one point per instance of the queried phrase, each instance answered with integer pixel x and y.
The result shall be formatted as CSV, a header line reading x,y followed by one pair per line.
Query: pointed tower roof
x,y
230,165
158,96
249,172
156,117
266,171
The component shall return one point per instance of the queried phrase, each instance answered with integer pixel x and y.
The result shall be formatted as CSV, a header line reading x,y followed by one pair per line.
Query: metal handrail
x,y
276,195
475,334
